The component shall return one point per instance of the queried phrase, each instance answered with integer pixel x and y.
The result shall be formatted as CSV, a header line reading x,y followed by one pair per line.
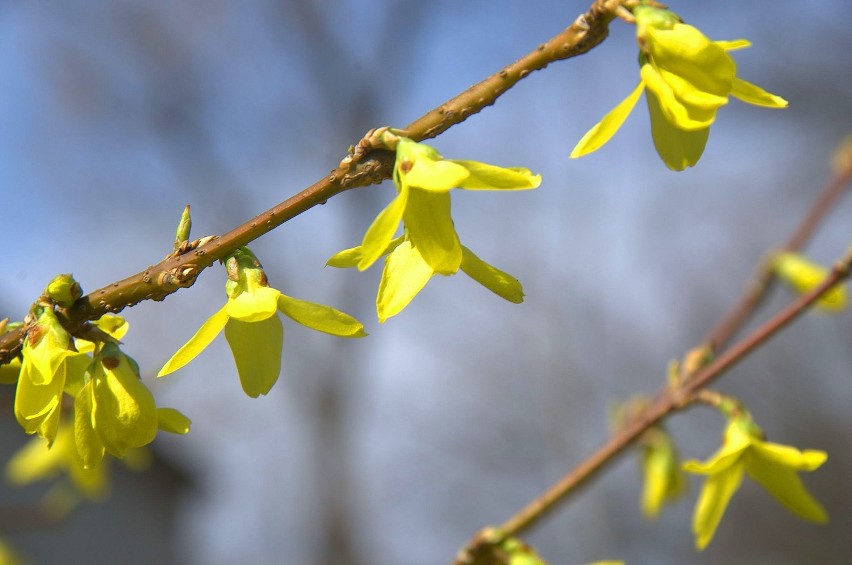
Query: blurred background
x,y
453,415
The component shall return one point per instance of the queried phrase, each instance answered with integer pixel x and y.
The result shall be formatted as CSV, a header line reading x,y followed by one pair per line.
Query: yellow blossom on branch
x,y
48,359
686,78
113,411
773,466
663,478
804,276
252,327
430,244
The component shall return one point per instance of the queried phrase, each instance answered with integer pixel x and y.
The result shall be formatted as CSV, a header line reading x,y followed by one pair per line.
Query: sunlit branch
x,y
181,270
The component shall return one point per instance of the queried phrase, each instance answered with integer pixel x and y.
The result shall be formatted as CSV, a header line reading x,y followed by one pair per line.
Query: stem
x,y
764,277
668,401
180,271
677,396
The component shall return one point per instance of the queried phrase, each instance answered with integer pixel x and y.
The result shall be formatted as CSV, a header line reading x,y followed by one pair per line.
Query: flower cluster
x,y
113,410
253,329
773,466
430,244
686,78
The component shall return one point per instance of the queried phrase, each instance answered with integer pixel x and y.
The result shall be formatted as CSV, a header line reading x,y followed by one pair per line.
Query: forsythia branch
x,y
763,278
680,394
181,269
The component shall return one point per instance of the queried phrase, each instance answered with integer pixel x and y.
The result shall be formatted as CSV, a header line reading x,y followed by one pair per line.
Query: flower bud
x,y
63,290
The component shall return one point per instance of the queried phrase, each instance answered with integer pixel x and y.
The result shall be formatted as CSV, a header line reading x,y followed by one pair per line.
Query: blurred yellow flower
x,y
664,480
771,465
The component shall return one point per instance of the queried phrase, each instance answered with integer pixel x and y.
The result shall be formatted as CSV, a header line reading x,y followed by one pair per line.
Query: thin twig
x,y
180,271
669,400
762,279
695,377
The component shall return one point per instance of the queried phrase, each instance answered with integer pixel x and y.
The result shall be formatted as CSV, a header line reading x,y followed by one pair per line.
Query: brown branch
x,y
180,271
669,400
763,278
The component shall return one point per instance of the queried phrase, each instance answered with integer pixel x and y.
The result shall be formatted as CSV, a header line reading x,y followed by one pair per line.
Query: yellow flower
x,y
686,77
113,411
53,366
47,361
772,465
804,276
36,461
664,480
253,329
430,243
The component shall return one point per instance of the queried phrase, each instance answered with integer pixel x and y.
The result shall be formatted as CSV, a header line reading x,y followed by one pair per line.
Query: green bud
x,y
183,229
244,272
648,16
63,290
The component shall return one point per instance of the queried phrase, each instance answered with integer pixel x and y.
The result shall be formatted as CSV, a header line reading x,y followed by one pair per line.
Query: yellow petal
x,y
116,326
734,44
684,51
196,344
488,177
254,304
434,176
123,411
44,358
381,231
256,347
786,456
500,283
37,405
680,115
351,257
430,229
345,259
172,421
10,371
677,148
113,325
405,274
753,94
785,485
89,445
33,462
804,276
715,495
320,317
736,444
692,97
663,479
606,128
76,365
